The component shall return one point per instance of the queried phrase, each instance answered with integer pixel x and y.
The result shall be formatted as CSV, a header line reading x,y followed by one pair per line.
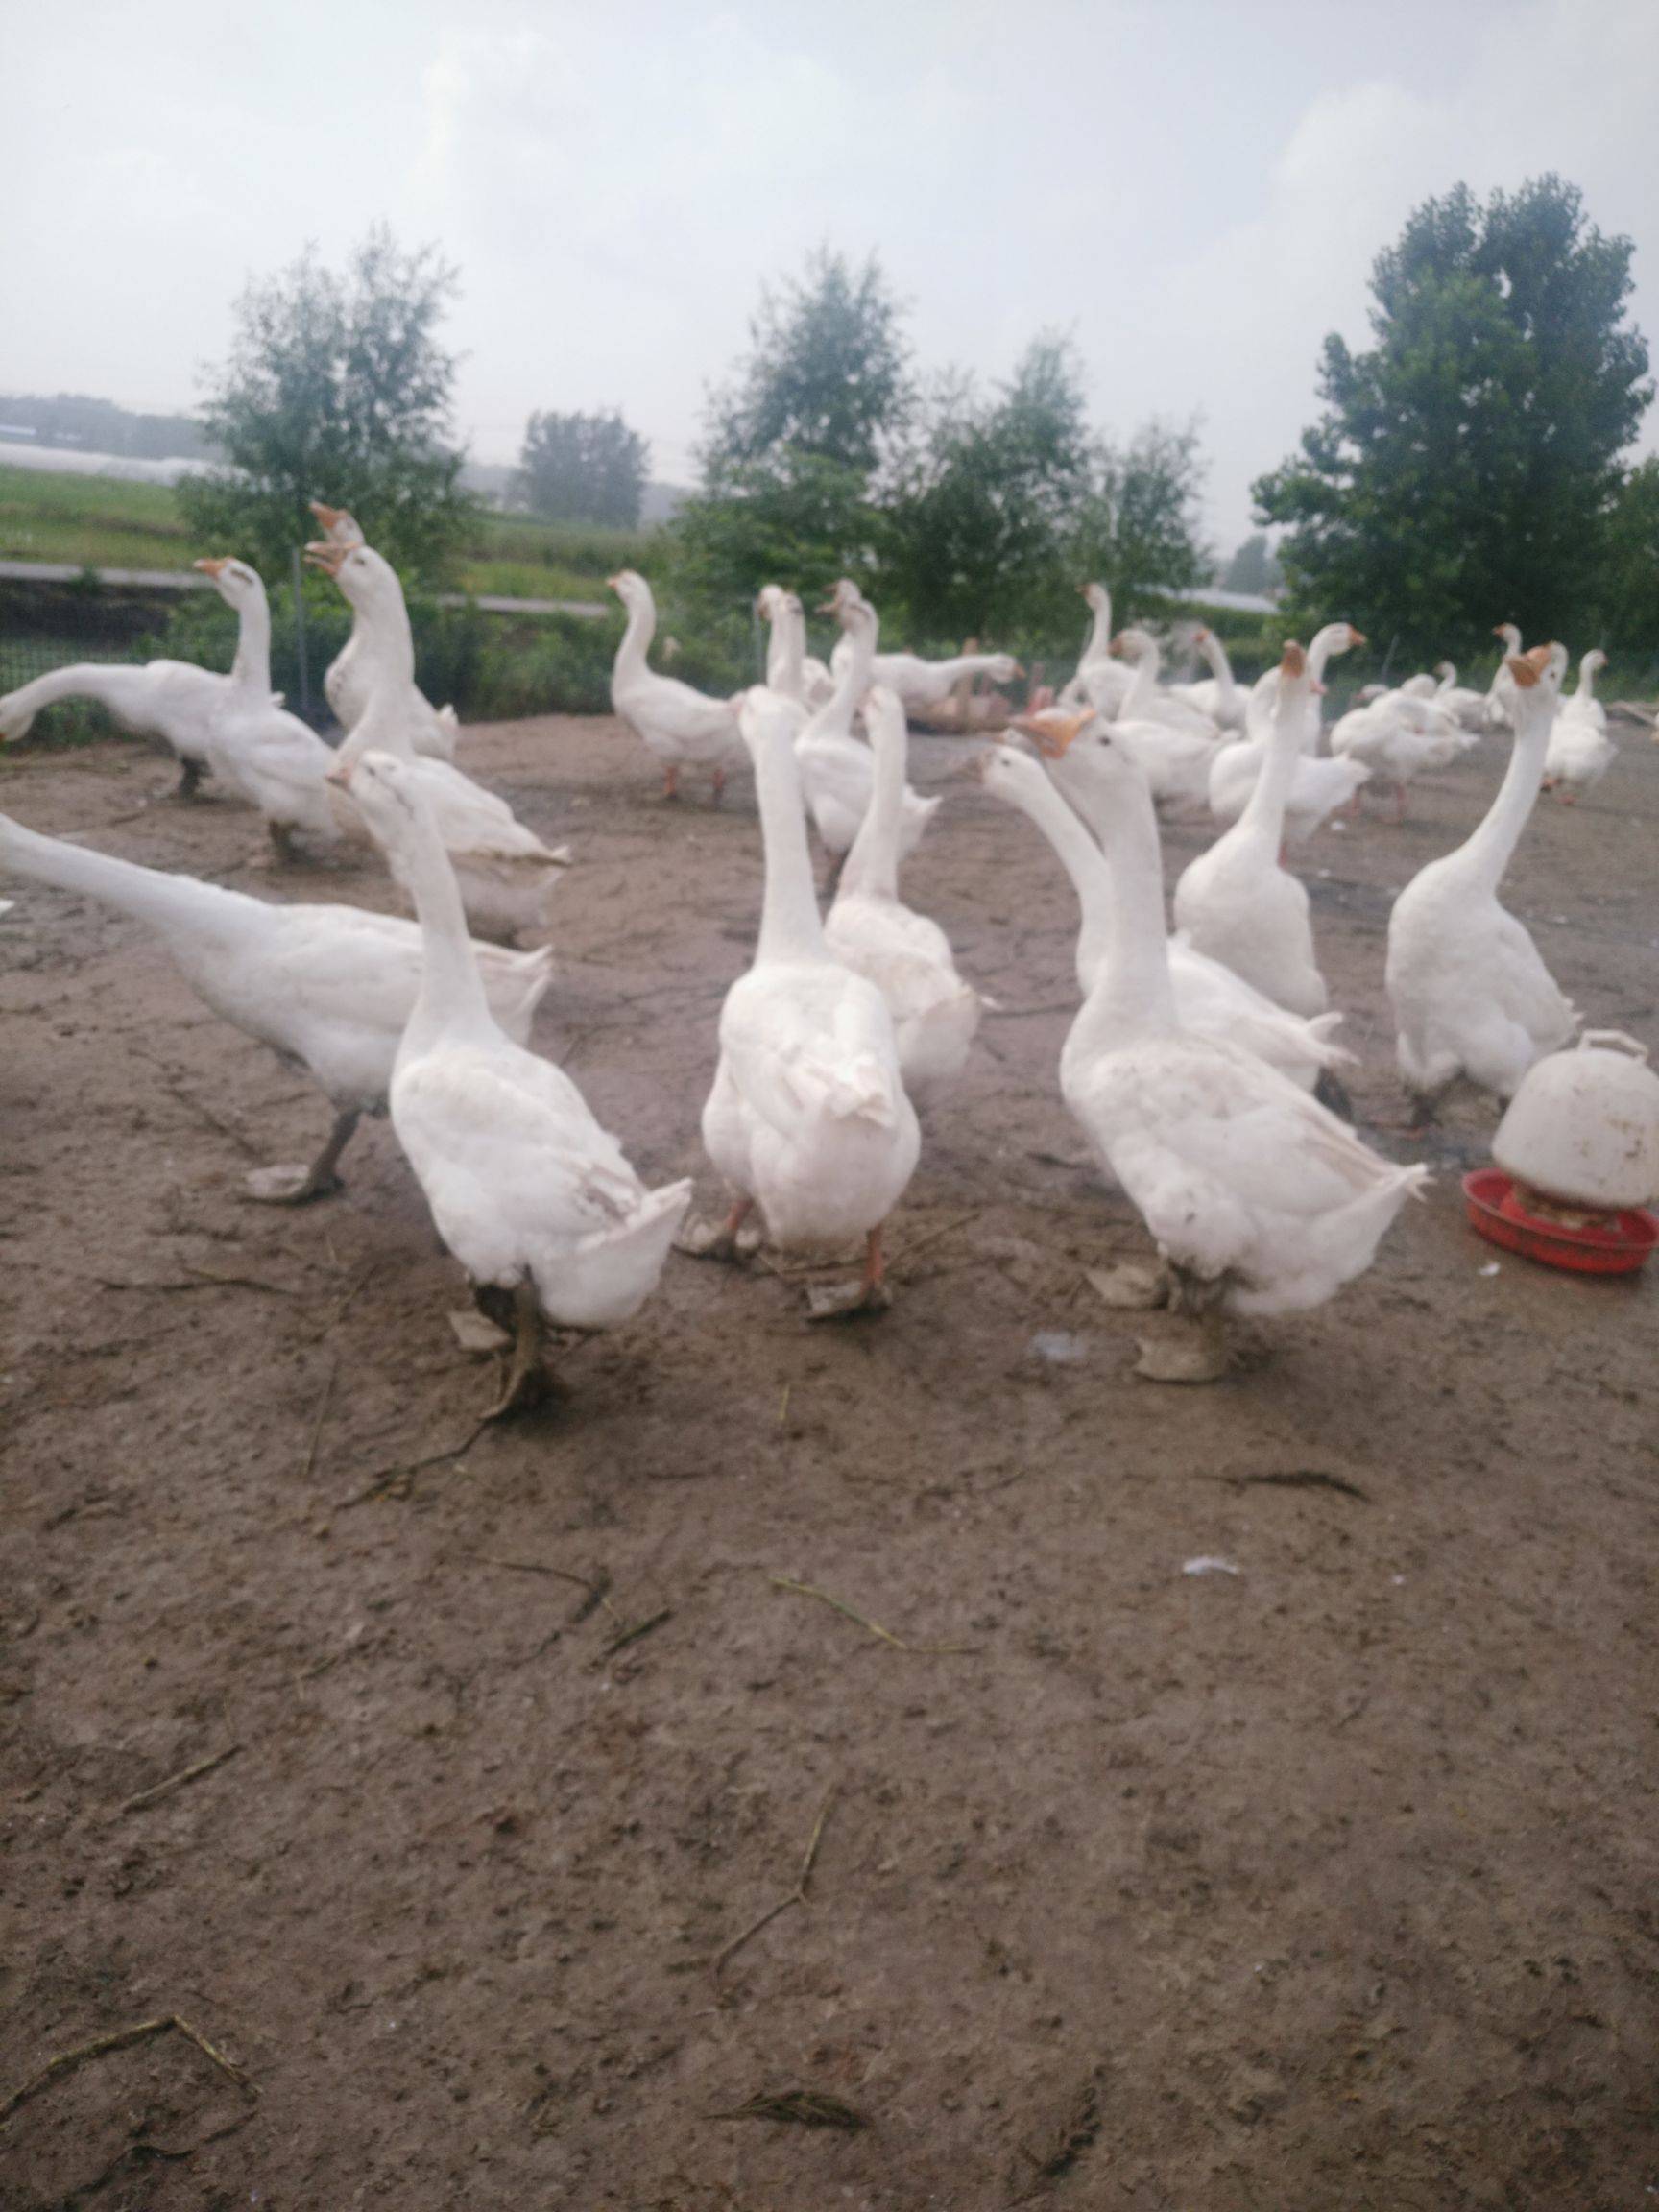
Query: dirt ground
x,y
1323,1886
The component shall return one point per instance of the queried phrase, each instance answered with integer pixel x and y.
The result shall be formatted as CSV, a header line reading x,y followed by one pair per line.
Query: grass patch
x,y
107,523
95,521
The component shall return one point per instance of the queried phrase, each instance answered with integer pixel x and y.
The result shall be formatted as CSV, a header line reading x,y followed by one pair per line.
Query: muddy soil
x,y
1327,1882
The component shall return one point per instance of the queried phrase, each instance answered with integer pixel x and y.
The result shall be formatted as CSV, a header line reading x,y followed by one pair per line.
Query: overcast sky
x,y
1194,190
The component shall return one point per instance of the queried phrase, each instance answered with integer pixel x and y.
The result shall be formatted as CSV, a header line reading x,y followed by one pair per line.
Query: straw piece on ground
x,y
155,1795
874,1627
121,2039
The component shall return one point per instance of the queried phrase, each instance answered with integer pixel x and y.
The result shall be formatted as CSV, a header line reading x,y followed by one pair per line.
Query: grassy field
x,y
96,522
105,523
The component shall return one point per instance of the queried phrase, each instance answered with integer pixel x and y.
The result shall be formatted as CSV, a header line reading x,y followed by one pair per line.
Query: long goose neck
x,y
1220,667
1489,851
787,654
148,893
872,865
1264,810
1586,679
383,726
453,994
1084,864
388,638
1099,637
1145,688
1131,989
637,637
854,680
250,670
790,927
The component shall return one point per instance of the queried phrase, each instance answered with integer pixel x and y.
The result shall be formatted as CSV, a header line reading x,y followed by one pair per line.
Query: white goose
x,y
1235,902
1500,688
328,988
346,684
789,667
907,955
172,699
923,684
528,1192
1144,701
681,727
1215,696
1399,737
1580,751
1259,1201
808,1118
1209,1000
1469,707
837,771
506,873
1098,677
1319,785
1470,994
255,746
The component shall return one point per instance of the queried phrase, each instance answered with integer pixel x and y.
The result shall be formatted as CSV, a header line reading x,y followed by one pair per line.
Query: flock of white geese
x,y
1191,1068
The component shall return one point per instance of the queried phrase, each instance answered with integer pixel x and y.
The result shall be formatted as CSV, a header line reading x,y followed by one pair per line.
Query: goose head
x,y
1082,757
770,601
1097,597
368,580
387,795
1594,661
844,600
1133,644
1537,679
338,528
1008,773
234,581
1334,638
631,588
1511,638
1003,669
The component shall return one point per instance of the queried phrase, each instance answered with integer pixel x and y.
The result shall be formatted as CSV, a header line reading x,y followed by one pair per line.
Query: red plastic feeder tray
x,y
1617,1245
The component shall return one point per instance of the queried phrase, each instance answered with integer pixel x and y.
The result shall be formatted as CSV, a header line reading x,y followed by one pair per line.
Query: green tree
x,y
336,389
797,442
1465,468
827,377
1139,532
1253,567
1628,605
583,469
992,498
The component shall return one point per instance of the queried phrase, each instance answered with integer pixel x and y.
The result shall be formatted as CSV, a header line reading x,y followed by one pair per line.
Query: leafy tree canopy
x,y
1253,567
1466,465
827,377
583,469
336,389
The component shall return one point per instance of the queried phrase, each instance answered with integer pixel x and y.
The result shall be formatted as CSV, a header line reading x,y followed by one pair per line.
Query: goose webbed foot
x,y
527,1380
299,1185
670,783
718,789
720,1240
189,783
841,1301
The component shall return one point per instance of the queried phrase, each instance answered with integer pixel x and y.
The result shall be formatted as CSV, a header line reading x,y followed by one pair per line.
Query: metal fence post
x,y
300,637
